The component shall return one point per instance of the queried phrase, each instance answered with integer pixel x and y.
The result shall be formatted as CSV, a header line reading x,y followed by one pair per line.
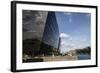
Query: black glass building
x,y
40,33
50,40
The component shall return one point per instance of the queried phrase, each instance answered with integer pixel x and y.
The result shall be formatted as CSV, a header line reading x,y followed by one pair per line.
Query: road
x,y
59,58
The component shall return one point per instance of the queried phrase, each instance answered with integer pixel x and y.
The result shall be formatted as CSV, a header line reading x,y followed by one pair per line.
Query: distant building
x,y
72,53
59,45
40,33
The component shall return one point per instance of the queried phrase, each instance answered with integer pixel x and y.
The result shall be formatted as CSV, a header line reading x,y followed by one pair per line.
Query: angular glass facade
x,y
40,33
50,40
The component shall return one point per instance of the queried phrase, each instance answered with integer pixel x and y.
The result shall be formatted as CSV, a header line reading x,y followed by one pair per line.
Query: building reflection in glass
x,y
40,33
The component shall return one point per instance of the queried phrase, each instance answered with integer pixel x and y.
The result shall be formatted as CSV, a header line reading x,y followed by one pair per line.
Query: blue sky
x,y
75,29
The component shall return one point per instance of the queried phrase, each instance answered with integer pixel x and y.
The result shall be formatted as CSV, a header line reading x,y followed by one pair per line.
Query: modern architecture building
x,y
40,33
50,40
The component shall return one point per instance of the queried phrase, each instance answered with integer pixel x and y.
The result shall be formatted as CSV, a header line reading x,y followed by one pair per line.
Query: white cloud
x,y
70,39
64,35
68,43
